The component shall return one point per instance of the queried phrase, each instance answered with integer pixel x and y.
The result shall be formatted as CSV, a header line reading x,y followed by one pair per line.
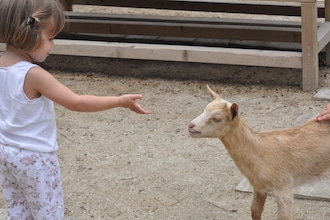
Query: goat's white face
x,y
216,119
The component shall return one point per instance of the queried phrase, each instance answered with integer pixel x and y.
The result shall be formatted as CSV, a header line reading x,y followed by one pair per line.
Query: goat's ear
x,y
213,94
233,110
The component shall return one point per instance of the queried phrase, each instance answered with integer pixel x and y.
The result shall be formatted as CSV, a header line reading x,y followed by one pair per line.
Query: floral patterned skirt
x,y
31,184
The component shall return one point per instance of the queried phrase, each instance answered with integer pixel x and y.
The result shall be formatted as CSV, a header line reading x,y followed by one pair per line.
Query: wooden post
x,y
310,67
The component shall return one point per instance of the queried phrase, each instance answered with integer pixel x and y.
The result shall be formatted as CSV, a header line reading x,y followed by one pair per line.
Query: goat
x,y
273,161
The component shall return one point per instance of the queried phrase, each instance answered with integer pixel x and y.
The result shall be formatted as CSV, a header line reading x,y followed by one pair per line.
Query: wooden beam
x,y
323,35
2,47
164,26
270,7
179,53
197,54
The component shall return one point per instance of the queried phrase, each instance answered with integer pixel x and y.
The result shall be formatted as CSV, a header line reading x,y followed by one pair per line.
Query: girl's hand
x,y
130,101
324,115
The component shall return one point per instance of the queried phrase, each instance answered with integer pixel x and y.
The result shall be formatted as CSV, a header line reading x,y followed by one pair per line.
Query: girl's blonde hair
x,y
21,21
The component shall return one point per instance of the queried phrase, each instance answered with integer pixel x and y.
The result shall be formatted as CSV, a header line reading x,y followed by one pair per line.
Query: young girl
x,y
29,168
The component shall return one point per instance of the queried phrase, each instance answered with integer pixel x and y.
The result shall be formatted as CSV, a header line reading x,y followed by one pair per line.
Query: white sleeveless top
x,y
25,123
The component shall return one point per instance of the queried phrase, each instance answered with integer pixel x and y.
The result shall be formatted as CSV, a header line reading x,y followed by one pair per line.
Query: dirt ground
x,y
120,165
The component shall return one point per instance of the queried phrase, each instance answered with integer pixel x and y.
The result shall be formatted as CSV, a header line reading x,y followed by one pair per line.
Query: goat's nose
x,y
191,125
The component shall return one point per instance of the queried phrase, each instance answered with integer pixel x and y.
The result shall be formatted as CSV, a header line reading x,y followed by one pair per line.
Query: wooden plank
x,y
250,7
310,68
230,32
236,29
219,32
179,53
2,47
286,46
323,35
312,191
179,19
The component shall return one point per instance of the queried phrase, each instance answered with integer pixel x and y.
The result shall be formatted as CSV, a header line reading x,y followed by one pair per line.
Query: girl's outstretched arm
x,y
40,82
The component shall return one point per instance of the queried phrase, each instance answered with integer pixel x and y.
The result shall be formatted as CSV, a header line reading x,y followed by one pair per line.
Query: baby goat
x,y
273,161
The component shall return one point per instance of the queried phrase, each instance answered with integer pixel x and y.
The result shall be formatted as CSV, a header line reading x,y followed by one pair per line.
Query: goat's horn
x,y
213,94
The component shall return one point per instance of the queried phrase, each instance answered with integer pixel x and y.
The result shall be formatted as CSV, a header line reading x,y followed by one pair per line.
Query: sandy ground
x,y
120,165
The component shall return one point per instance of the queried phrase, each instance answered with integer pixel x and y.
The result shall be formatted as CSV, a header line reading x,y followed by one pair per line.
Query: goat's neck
x,y
244,145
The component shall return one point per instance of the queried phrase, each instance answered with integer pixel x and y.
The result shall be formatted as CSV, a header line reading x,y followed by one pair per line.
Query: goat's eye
x,y
216,120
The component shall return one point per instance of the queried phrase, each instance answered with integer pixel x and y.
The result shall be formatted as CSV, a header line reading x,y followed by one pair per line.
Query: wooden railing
x,y
205,40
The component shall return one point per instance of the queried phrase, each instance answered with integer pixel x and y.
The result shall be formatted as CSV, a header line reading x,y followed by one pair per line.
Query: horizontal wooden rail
x,y
287,59
162,26
323,35
310,33
245,7
215,55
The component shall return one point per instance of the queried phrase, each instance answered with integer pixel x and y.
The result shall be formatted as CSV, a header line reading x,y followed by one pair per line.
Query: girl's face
x,y
47,43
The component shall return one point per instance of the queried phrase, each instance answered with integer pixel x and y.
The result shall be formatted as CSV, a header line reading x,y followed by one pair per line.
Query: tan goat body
x,y
273,161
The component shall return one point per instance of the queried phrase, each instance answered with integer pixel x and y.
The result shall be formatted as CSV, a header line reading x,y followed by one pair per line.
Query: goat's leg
x,y
284,200
258,205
